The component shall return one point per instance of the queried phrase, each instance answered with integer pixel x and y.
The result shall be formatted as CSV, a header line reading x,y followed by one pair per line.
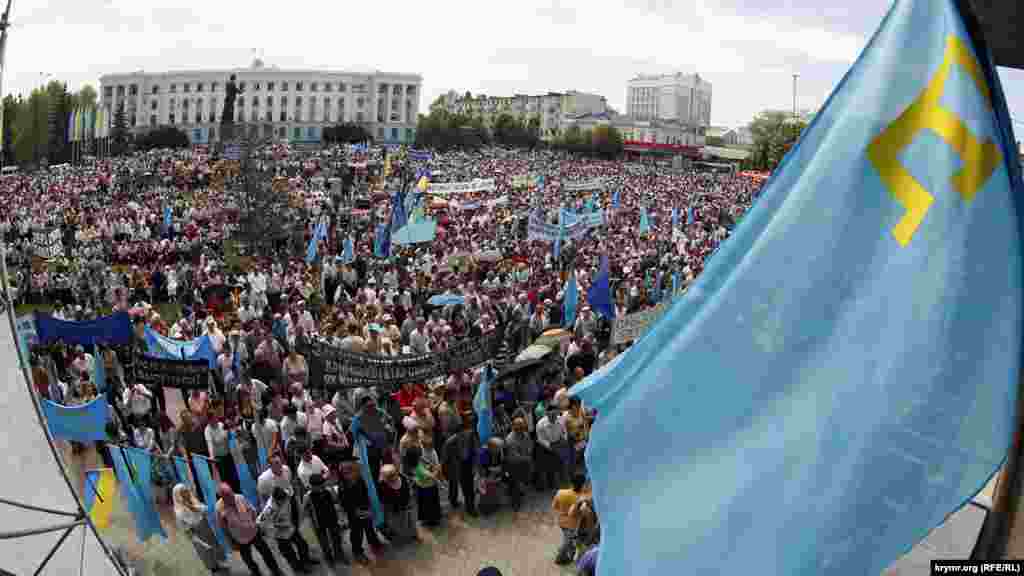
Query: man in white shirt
x,y
309,465
277,476
551,438
418,339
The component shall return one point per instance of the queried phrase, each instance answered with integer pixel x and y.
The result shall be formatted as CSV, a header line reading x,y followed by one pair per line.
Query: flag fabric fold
x,y
364,468
142,463
864,386
245,478
204,477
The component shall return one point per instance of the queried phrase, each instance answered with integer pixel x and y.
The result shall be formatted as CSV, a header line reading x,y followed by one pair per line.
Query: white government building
x,y
276,104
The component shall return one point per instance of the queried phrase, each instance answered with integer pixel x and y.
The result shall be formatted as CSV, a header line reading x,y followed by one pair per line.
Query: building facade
x,y
681,98
555,110
275,104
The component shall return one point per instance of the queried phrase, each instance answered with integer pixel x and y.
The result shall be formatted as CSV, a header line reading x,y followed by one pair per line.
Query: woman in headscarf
x,y
191,517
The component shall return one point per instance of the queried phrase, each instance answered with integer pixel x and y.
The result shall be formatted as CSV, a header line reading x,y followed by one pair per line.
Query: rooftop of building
x,y
259,65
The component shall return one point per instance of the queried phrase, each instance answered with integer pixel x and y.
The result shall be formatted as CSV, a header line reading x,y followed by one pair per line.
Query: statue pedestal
x,y
227,131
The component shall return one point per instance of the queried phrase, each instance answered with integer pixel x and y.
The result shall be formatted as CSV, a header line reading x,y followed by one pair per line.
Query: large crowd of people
x,y
146,234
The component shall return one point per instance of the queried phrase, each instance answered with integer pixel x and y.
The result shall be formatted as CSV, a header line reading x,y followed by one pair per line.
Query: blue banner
x,y
114,330
142,463
204,477
866,364
160,346
84,423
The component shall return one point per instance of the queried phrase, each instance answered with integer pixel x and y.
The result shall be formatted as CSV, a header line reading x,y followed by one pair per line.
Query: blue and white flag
x,y
866,364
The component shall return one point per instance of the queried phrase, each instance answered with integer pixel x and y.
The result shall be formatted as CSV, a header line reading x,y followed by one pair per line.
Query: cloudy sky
x,y
748,49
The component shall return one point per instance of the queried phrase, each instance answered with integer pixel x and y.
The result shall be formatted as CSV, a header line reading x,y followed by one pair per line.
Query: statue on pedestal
x,y
227,117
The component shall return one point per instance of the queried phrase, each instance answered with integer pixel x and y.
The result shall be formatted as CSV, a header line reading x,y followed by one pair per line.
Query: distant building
x,y
739,137
682,98
281,104
555,110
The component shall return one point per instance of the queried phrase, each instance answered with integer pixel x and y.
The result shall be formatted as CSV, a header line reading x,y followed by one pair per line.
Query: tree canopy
x,y
774,132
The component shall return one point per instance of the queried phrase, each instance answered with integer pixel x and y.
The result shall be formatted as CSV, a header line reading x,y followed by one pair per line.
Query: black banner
x,y
181,374
334,369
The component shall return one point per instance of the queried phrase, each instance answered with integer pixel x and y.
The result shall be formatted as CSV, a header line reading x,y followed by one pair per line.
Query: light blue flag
x,y
245,479
557,246
615,199
482,406
599,295
183,473
645,225
348,254
570,301
364,468
675,218
675,283
100,372
865,384
689,216
142,463
205,480
314,239
167,217
129,492
81,423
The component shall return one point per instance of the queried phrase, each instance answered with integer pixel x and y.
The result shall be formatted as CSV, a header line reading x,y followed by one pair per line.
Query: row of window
x,y
200,117
299,133
133,89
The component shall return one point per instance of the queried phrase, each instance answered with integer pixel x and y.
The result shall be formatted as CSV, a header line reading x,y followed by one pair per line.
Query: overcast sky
x,y
748,49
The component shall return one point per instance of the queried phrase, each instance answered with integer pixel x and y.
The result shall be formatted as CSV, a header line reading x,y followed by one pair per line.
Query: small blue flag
x,y
886,386
348,255
482,405
362,449
615,199
689,216
675,218
645,225
167,217
599,295
570,300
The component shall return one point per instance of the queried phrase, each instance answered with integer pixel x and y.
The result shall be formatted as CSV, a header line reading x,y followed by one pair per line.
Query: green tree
x,y
714,141
86,97
119,132
774,132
